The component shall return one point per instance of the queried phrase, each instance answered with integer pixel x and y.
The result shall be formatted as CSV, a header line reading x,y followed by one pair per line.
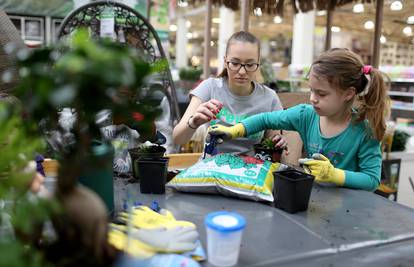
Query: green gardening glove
x,y
323,170
225,133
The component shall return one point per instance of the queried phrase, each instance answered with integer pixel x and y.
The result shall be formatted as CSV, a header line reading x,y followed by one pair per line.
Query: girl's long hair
x,y
344,69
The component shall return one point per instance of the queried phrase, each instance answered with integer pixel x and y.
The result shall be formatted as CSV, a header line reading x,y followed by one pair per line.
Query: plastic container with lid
x,y
224,234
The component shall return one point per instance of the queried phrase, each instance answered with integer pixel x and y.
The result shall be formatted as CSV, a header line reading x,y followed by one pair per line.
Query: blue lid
x,y
225,221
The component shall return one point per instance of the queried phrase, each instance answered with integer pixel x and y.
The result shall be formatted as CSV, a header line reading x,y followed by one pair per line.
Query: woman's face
x,y
246,54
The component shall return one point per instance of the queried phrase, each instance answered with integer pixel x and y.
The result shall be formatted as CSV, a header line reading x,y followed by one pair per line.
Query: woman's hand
x,y
280,143
205,112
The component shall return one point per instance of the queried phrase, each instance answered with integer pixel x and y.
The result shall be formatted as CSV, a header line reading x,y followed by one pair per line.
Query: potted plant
x,y
399,140
22,214
189,76
87,76
147,150
150,167
266,150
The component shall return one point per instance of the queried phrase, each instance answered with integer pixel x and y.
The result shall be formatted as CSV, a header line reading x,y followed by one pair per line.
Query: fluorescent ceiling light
x,y
182,3
358,8
408,31
277,19
216,20
369,25
258,11
396,5
321,13
173,27
335,29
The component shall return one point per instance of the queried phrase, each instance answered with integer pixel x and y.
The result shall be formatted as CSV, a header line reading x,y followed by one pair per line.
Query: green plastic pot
x,y
98,176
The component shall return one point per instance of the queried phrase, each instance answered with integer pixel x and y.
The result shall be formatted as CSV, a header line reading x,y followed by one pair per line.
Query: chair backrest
x,y
291,99
132,29
9,35
295,143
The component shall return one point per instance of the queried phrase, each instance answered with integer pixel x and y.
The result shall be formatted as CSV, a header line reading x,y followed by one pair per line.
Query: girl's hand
x,y
323,170
206,112
280,143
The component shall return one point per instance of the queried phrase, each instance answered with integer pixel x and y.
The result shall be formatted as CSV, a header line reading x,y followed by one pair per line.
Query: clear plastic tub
x,y
224,234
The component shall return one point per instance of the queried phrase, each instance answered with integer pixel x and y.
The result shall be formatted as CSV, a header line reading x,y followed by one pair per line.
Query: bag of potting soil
x,y
228,174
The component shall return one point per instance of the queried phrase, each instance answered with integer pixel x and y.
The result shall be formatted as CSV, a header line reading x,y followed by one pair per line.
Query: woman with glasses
x,y
231,97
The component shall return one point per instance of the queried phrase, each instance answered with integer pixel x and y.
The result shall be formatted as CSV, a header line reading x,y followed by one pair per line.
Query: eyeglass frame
x,y
242,66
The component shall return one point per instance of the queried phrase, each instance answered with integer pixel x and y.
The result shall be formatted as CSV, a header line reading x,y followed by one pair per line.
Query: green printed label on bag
x,y
231,168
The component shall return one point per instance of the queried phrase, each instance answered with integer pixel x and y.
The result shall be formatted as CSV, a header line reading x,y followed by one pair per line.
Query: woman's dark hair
x,y
241,36
343,69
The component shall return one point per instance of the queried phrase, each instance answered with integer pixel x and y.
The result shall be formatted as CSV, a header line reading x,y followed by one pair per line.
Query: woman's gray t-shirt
x,y
236,108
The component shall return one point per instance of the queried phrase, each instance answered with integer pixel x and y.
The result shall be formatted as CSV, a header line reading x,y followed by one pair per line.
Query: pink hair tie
x,y
367,69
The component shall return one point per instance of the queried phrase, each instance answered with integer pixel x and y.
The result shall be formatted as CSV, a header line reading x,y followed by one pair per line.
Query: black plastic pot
x,y
152,174
155,152
267,154
292,190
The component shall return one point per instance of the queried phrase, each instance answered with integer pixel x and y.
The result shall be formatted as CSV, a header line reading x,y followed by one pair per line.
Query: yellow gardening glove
x,y
144,217
170,240
225,133
137,248
323,170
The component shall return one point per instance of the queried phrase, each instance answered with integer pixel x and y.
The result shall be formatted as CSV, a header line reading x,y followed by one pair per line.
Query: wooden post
x,y
377,36
207,40
244,16
149,3
328,38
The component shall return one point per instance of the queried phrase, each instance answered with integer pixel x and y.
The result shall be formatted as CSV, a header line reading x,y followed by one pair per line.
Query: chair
x,y
295,143
132,29
9,35
390,175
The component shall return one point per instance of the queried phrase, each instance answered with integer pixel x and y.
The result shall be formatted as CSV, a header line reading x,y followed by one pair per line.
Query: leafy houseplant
x,y
399,140
20,216
266,150
87,76
189,76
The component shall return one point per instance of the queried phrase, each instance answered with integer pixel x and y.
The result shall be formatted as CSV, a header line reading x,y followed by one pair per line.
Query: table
x,y
342,227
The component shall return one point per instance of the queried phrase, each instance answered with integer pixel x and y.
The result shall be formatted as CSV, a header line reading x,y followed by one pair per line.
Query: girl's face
x,y
239,54
327,100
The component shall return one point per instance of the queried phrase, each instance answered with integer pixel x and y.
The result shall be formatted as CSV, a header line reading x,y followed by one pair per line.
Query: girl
x,y
343,143
231,97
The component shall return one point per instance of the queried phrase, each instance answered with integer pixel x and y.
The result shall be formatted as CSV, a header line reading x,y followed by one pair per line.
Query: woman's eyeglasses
x,y
236,66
